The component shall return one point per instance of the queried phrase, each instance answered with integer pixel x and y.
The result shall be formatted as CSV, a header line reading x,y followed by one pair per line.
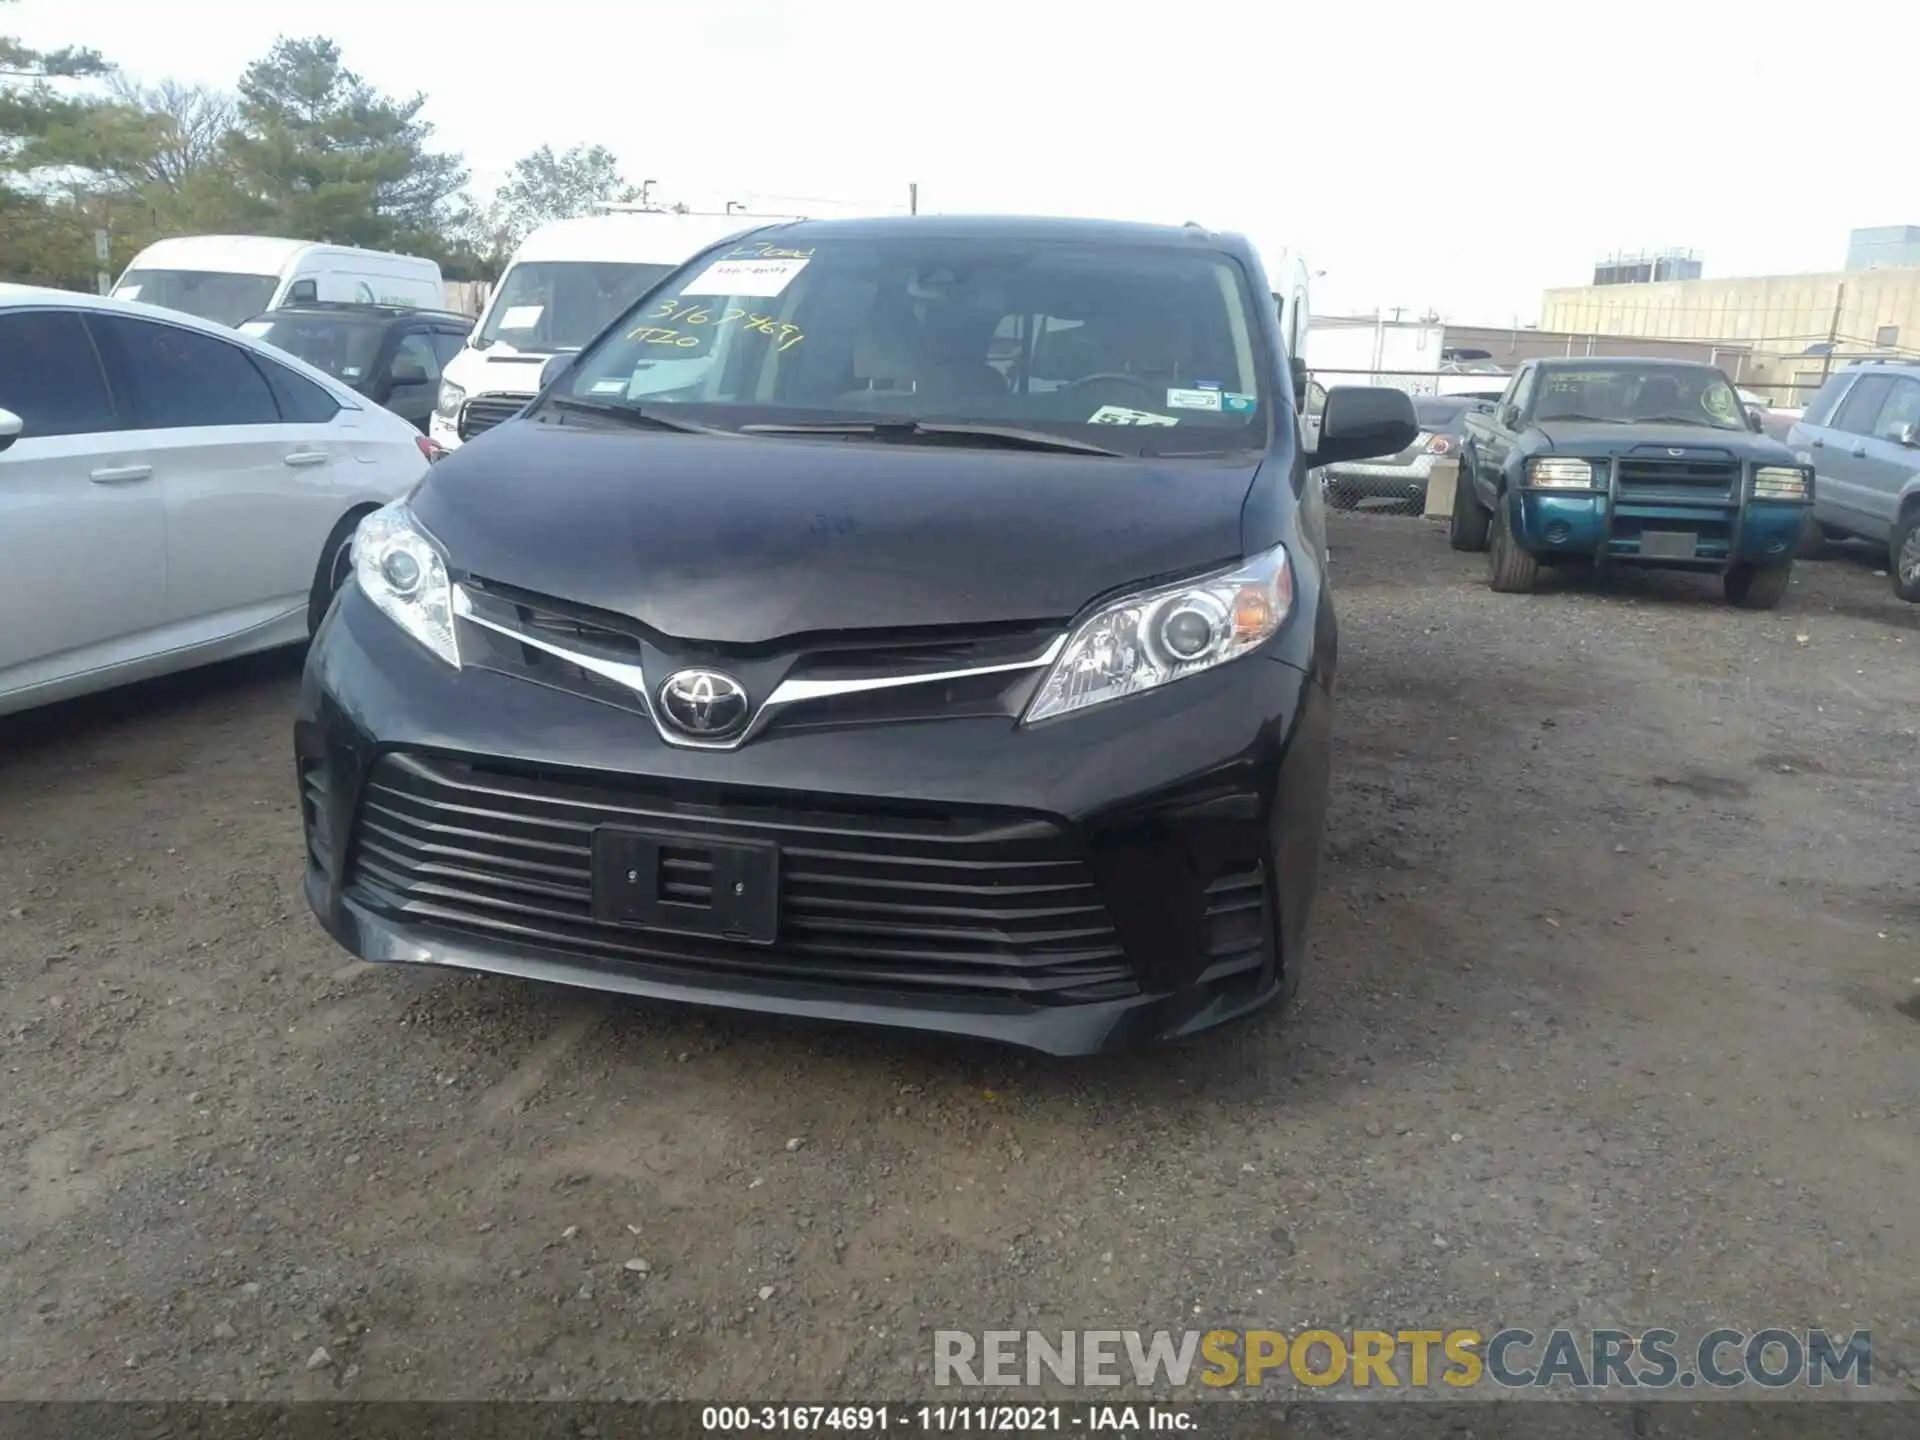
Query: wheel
x,y
1510,570
336,563
1757,587
1467,526
1904,562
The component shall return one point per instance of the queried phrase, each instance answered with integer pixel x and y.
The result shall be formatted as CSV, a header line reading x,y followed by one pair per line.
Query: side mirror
x,y
10,427
1909,435
1755,420
407,372
1299,368
1509,416
1363,422
556,366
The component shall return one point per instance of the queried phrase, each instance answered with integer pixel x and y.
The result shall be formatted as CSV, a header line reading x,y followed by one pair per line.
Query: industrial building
x,y
1776,334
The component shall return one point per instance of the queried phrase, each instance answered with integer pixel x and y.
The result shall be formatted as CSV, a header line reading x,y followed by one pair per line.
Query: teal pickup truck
x,y
1611,461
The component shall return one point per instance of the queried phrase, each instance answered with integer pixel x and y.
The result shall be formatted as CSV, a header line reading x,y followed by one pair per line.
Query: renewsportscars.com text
x,y
1512,1358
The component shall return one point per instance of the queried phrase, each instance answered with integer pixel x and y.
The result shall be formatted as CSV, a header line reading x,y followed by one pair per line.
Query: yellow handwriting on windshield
x,y
784,336
760,250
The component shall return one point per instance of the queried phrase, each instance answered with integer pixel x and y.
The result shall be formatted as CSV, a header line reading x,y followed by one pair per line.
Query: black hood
x,y
1587,437
747,540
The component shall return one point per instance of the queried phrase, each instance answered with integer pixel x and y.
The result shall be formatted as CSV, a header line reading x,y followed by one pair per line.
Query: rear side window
x,y
1862,405
301,401
50,376
1820,407
178,378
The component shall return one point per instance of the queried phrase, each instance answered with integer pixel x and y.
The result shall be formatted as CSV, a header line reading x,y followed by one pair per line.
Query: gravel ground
x,y
1612,1020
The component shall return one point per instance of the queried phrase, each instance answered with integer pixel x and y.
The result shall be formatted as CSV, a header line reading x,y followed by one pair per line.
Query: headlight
x,y
402,571
451,398
1561,474
1779,482
1145,640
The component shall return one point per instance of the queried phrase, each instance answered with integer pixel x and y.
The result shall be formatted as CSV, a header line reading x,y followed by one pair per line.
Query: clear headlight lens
x,y
402,571
1560,473
451,399
1779,482
1143,641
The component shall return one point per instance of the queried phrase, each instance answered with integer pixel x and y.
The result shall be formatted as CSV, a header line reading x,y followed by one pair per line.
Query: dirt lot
x,y
1613,1021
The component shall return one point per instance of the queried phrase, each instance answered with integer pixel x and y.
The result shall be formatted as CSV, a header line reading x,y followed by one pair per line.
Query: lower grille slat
x,y
990,905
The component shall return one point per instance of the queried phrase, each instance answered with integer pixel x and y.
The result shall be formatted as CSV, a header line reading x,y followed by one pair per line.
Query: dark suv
x,y
1861,435
391,354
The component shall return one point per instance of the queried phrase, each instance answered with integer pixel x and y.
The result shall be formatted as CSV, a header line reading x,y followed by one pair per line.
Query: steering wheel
x,y
1132,382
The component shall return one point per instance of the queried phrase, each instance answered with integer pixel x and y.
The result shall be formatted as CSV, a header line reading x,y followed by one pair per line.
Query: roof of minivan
x,y
1013,227
242,254
638,236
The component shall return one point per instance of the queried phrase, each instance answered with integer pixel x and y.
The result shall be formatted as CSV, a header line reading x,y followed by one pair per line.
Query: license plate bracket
x,y
683,884
1669,544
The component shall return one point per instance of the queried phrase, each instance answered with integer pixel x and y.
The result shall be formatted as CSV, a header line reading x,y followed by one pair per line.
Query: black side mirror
x,y
1363,422
1299,368
406,372
556,366
10,427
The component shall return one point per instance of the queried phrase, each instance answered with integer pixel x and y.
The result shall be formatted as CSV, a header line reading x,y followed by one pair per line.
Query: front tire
x,y
336,564
1510,570
1467,526
1903,561
1757,587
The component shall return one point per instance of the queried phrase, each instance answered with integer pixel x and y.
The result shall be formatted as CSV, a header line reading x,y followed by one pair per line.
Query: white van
x,y
567,280
231,278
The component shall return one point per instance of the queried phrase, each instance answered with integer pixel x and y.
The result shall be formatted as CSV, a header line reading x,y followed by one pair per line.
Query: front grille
x,y
1703,479
992,906
486,411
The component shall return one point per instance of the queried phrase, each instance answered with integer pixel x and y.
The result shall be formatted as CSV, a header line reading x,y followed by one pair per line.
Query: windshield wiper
x,y
915,429
633,415
1596,419
1699,420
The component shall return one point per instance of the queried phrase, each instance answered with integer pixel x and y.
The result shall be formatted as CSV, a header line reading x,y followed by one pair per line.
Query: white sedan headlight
x,y
402,571
1145,640
451,399
1779,482
1561,473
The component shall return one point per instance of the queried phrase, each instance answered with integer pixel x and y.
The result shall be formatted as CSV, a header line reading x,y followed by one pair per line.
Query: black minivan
x,y
918,621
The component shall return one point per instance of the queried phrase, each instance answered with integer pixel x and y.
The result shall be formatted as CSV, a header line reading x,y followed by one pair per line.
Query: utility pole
x,y
1833,331
913,198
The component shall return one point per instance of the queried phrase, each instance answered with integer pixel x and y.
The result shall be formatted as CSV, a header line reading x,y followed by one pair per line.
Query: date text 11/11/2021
x,y
945,1419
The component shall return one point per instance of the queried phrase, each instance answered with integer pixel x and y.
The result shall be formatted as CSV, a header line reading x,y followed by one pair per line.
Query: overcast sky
x,y
1455,157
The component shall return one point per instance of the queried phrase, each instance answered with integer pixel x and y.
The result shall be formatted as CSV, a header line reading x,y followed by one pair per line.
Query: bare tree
x,y
190,123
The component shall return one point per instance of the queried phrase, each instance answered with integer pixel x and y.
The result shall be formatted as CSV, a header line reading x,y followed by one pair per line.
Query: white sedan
x,y
171,492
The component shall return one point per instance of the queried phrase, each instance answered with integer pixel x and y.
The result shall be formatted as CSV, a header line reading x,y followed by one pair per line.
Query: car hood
x,y
747,540
1585,437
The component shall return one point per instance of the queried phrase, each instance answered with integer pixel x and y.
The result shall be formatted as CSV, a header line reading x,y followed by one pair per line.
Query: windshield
x,y
1160,342
210,294
1676,395
550,305
343,346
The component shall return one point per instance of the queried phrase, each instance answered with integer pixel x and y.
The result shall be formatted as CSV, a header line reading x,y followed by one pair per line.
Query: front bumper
x,y
1764,532
1360,482
1143,870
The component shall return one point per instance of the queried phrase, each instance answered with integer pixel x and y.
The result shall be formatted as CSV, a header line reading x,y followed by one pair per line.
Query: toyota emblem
x,y
704,704
1676,453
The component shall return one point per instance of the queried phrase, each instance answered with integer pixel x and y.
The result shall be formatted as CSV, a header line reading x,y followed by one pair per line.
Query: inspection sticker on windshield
x,y
521,317
256,327
1121,415
758,278
1238,404
609,387
1193,399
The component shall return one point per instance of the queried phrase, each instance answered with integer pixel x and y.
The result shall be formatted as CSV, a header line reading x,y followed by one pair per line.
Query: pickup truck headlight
x,y
1145,640
1779,482
451,398
1560,473
402,571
